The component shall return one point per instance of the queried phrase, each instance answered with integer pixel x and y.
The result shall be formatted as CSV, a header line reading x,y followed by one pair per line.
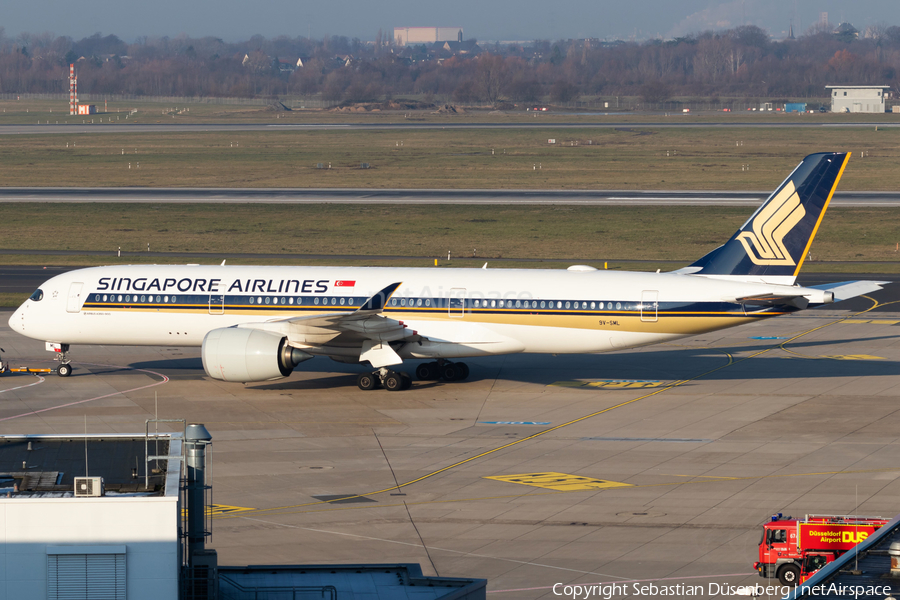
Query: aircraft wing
x,y
365,326
845,290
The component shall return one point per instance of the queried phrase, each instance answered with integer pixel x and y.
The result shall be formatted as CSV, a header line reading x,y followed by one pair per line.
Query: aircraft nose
x,y
17,320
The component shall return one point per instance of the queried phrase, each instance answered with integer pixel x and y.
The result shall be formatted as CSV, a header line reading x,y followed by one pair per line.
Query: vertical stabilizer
x,y
772,245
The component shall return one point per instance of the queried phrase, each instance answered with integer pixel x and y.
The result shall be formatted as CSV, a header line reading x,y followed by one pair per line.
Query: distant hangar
x,y
406,36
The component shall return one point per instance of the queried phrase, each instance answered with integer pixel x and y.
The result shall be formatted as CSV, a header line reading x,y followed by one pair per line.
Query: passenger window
x,y
342,301
104,297
559,304
402,301
493,303
427,302
393,302
567,305
290,300
618,306
268,300
593,305
501,304
299,300
127,298
251,299
37,296
283,299
542,304
419,302
476,304
173,299
601,306
518,304
584,305
166,299
316,300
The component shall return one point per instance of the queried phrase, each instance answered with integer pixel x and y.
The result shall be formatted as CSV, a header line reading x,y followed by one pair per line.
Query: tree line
x,y
743,62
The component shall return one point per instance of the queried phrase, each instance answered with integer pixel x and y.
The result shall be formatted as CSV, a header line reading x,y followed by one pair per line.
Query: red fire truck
x,y
793,549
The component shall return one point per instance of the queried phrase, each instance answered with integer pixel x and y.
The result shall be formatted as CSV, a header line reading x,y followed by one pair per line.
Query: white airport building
x,y
407,36
857,98
111,534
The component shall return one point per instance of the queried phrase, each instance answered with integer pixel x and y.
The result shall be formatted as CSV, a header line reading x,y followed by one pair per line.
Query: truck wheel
x,y
789,575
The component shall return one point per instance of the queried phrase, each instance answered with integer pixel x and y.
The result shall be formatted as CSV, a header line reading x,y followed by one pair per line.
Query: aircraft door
x,y
456,305
74,302
217,304
650,306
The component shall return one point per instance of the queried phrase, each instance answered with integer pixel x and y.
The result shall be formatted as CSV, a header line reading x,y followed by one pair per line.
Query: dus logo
x,y
853,537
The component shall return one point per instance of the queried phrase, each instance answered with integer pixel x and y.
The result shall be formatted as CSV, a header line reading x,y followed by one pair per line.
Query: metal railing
x,y
273,592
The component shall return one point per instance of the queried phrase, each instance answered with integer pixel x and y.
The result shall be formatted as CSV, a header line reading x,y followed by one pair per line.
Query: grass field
x,y
621,158
30,111
595,233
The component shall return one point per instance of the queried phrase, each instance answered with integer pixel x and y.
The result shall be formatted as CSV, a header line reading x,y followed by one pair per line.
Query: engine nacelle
x,y
242,355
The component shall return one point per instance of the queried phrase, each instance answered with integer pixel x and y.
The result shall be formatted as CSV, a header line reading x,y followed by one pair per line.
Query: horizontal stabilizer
x,y
850,289
797,300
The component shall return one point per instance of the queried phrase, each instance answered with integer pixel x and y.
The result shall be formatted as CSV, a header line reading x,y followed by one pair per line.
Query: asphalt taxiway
x,y
419,196
657,465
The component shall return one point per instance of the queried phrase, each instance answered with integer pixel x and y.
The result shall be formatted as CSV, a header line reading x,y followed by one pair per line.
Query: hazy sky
x,y
235,20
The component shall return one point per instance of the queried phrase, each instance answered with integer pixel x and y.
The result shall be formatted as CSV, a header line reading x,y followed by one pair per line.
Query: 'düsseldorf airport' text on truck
x,y
793,549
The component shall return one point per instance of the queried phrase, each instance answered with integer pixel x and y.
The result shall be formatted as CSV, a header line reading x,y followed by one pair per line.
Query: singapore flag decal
x,y
344,283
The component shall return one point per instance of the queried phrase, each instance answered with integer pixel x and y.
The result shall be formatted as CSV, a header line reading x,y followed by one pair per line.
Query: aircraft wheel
x,y
407,381
367,381
423,372
434,371
393,382
463,370
789,575
64,370
450,372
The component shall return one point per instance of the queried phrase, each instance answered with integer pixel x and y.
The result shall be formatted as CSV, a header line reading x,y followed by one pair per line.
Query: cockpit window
x,y
37,296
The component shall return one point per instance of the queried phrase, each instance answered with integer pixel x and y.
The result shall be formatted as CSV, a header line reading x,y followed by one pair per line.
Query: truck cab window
x,y
777,536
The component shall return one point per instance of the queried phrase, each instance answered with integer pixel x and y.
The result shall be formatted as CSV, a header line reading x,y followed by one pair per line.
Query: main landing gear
x,y
442,369
392,381
395,381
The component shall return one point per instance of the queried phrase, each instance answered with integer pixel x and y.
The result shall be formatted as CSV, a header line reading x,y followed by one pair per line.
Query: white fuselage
x,y
459,312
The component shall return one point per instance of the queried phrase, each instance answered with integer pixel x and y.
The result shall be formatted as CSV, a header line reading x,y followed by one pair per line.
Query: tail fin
x,y
772,245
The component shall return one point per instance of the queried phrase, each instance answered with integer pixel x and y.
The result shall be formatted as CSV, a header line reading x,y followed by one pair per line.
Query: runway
x,y
676,122
658,465
419,196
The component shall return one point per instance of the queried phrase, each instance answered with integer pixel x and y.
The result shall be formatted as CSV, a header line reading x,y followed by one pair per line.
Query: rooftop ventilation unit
x,y
88,487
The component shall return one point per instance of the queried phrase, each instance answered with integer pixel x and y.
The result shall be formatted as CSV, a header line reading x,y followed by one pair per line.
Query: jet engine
x,y
242,355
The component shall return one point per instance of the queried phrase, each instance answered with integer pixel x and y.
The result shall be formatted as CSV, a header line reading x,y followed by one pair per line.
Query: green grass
x,y
647,158
591,233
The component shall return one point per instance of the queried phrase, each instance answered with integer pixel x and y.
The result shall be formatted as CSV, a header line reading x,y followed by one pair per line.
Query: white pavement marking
x,y
143,387
40,380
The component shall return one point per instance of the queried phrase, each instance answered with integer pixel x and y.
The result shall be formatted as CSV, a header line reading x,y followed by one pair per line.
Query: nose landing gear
x,y
62,355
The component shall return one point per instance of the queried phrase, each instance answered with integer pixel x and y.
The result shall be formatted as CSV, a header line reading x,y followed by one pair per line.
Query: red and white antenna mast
x,y
73,90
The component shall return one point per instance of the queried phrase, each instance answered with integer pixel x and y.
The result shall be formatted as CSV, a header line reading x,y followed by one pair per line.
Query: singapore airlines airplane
x,y
258,323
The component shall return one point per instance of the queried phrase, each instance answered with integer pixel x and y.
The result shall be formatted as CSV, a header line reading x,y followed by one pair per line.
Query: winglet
x,y
379,300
